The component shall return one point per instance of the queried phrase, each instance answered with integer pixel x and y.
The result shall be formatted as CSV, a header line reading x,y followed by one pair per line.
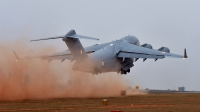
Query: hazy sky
x,y
171,23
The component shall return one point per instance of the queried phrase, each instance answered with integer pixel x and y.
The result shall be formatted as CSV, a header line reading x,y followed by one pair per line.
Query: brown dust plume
x,y
38,79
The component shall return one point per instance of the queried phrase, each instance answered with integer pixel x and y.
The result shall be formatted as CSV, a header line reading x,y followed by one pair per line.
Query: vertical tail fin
x,y
73,43
75,46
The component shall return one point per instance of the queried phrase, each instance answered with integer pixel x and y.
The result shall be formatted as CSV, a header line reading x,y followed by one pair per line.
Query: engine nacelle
x,y
147,46
164,49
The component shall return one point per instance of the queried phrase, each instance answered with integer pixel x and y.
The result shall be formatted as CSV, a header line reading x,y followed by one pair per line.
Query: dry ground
x,y
179,102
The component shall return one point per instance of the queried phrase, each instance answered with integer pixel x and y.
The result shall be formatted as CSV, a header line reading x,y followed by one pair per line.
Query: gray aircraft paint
x,y
117,56
170,23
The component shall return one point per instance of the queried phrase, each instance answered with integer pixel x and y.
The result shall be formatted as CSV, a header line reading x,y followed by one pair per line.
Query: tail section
x,y
75,46
73,43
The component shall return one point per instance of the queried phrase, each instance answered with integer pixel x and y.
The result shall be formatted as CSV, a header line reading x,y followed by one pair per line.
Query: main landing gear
x,y
124,72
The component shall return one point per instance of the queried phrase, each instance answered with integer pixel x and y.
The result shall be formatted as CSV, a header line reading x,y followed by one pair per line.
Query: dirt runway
x,y
138,103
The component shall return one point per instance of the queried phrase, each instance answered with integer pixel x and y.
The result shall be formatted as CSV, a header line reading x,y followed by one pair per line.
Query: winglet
x,y
16,56
185,54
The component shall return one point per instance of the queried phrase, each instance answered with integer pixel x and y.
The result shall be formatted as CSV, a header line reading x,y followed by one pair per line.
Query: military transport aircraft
x,y
116,56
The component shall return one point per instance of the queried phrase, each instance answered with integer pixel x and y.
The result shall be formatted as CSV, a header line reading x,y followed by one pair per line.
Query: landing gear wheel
x,y
128,70
122,71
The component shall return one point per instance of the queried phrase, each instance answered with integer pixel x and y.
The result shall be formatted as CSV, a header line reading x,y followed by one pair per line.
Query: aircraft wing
x,y
56,56
137,52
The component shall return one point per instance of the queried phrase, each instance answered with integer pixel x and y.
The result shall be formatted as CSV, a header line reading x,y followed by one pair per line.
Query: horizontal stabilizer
x,y
48,38
81,36
70,34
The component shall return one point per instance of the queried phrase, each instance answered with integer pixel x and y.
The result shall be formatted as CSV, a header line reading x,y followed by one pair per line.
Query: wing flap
x,y
152,56
136,55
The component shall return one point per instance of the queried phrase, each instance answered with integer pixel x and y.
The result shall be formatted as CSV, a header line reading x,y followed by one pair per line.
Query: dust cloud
x,y
39,79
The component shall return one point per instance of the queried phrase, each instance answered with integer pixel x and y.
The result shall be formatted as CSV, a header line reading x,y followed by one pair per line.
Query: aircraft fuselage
x,y
103,60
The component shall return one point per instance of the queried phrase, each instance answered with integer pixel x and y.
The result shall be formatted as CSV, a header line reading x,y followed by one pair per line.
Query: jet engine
x,y
147,46
164,49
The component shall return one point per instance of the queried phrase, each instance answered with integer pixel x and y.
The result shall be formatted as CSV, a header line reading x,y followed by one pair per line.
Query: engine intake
x,y
147,46
164,49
